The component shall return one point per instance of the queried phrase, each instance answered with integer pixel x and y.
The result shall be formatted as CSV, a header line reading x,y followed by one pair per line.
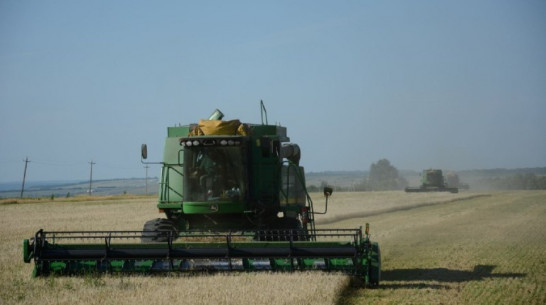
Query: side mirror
x,y
327,193
144,151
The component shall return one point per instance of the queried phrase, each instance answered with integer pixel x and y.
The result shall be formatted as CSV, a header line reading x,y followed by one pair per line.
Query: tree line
x,y
527,181
383,176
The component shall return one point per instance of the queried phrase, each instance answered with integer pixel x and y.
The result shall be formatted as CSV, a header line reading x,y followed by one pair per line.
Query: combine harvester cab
x,y
234,198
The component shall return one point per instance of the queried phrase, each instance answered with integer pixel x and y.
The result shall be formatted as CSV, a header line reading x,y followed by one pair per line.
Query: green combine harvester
x,y
432,180
234,198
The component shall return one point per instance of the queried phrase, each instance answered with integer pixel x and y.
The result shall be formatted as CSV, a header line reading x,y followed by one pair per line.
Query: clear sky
x,y
444,84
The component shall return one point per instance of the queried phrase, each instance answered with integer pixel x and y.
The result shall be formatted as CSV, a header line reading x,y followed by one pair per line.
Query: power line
x,y
57,163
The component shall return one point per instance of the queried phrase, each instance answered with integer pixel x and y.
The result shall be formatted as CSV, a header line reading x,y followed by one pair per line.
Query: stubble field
x,y
437,248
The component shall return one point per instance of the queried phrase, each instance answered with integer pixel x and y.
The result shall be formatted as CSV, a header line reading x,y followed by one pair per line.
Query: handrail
x,y
165,185
301,180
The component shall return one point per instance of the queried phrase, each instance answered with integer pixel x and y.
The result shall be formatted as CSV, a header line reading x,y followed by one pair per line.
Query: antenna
x,y
262,111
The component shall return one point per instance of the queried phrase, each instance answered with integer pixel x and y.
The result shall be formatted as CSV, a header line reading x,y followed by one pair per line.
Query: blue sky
x,y
447,84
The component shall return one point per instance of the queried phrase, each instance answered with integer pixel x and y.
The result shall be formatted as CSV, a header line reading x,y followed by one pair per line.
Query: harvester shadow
x,y
434,278
443,275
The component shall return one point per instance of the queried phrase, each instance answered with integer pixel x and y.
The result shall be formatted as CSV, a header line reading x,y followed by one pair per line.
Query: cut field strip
x,y
365,214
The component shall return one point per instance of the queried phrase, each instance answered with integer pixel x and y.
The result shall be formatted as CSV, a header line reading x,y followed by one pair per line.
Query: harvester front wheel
x,y
158,230
375,266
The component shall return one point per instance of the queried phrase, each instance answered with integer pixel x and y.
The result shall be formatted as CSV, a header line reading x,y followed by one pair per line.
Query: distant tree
x,y
383,176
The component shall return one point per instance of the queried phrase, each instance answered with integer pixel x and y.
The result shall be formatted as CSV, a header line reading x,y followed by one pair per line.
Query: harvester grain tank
x,y
234,198
432,180
452,179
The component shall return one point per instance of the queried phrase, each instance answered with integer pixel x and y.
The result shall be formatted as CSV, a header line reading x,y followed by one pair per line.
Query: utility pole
x,y
91,177
24,176
146,167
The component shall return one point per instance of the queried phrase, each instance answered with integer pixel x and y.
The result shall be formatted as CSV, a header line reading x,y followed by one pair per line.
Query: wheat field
x,y
437,248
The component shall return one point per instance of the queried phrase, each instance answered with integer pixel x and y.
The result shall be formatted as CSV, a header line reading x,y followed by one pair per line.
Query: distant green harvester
x,y
432,180
234,198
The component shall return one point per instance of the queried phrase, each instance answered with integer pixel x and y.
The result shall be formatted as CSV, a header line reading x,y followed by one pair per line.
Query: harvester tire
x,y
157,230
375,267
